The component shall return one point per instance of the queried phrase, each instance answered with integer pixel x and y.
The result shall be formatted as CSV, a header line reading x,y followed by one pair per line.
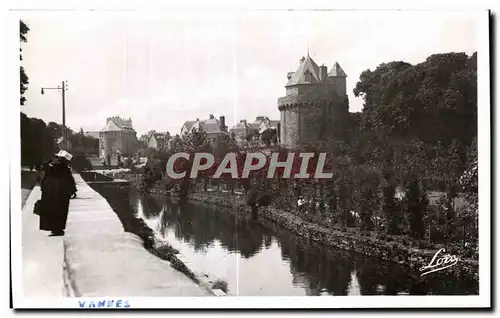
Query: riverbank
x,y
410,257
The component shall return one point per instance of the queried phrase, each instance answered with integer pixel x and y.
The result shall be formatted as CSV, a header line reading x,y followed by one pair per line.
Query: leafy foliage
x,y
37,141
415,205
24,80
269,136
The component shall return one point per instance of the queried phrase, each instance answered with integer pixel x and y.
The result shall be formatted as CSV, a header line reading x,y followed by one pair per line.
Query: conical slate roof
x,y
299,77
337,71
111,126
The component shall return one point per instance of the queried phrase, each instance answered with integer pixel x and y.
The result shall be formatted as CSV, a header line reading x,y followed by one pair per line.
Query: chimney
x,y
222,123
278,133
323,72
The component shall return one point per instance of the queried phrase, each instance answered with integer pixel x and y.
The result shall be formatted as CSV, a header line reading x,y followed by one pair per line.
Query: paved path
x,y
102,260
42,255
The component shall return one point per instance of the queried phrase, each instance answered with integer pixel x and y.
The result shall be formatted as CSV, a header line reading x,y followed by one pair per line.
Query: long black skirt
x,y
54,215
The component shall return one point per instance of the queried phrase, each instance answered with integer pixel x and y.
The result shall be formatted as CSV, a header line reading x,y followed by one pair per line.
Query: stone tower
x,y
315,106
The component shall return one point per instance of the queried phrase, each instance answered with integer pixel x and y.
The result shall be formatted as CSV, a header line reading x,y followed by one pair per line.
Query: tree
x,y
390,207
252,134
404,100
37,141
24,80
177,143
269,136
416,204
366,195
193,142
55,128
227,144
470,186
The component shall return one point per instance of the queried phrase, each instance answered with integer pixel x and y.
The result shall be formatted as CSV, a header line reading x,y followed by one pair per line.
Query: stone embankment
x,y
412,258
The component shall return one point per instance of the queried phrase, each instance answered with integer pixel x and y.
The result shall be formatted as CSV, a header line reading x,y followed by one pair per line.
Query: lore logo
x,y
439,262
104,304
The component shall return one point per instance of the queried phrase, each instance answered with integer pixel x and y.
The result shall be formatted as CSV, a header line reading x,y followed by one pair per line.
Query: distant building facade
x,y
117,136
92,134
316,105
242,129
214,128
159,141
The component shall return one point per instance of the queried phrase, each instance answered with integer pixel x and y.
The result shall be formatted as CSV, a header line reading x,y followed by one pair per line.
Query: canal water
x,y
259,258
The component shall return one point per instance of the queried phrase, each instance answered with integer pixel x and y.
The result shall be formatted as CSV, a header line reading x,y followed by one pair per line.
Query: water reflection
x,y
257,257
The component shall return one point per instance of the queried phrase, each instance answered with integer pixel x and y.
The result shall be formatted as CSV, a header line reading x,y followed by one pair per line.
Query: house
x,y
158,141
214,128
262,124
242,129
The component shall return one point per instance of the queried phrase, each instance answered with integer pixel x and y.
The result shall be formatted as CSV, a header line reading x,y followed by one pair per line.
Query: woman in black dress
x,y
58,186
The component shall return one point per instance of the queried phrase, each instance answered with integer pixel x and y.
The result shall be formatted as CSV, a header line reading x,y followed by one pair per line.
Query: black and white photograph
x,y
236,159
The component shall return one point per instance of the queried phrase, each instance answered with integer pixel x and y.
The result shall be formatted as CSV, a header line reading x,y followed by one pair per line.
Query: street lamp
x,y
63,90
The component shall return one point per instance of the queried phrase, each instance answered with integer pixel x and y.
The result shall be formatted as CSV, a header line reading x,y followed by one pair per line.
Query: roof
x,y
210,126
337,71
261,124
243,124
188,125
93,134
111,126
307,65
267,124
261,119
159,136
274,123
117,124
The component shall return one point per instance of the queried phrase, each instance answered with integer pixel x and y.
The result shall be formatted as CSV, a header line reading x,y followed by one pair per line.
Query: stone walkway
x,y
42,255
95,258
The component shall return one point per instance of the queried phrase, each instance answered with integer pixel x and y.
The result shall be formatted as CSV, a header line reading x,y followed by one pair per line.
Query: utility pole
x,y
65,135
63,95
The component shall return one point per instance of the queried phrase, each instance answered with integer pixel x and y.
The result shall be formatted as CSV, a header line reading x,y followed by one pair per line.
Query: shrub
x,y
80,163
220,284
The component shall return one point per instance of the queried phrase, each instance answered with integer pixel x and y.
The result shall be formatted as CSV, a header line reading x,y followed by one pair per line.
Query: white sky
x,y
164,70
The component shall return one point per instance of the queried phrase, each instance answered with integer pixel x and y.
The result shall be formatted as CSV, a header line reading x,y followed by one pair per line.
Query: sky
x,y
165,69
